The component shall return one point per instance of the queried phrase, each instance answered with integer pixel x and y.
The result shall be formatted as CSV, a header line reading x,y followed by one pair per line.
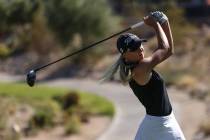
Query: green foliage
x,y
95,104
8,107
73,125
70,99
4,51
155,1
14,12
176,17
21,11
207,41
48,112
171,76
205,127
45,113
16,15
43,117
184,1
4,113
90,18
34,24
24,92
70,103
178,23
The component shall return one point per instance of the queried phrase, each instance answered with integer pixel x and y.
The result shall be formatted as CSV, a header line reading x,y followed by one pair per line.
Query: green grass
x,y
97,104
23,93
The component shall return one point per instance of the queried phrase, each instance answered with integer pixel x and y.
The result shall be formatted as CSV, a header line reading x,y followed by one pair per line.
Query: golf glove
x,y
159,16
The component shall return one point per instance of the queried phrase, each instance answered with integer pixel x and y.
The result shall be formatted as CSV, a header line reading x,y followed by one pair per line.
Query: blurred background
x,y
35,32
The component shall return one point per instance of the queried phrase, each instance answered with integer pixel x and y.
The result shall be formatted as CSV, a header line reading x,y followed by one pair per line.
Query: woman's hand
x,y
159,17
150,21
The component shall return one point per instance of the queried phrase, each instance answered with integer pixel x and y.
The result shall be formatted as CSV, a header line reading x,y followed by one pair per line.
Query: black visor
x,y
129,42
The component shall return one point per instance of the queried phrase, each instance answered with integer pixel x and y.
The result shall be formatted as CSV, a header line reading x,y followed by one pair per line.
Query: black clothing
x,y
153,95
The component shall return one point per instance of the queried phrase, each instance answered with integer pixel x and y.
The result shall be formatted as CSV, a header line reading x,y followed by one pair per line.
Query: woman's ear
x,y
128,55
123,55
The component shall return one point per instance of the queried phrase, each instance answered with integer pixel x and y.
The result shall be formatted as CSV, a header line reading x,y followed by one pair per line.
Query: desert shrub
x,y
10,135
80,111
68,17
70,103
68,100
2,124
45,114
16,12
3,121
178,22
207,41
96,105
83,113
42,118
65,18
175,13
4,50
8,109
205,127
170,76
47,104
72,126
186,81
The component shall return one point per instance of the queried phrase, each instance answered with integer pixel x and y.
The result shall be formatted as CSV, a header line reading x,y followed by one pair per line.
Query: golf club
x,y
31,76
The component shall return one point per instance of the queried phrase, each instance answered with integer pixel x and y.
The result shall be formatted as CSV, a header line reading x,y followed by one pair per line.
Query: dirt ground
x,y
192,112
89,131
189,113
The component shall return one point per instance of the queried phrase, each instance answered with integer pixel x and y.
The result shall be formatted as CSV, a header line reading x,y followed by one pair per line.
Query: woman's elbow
x,y
169,48
170,52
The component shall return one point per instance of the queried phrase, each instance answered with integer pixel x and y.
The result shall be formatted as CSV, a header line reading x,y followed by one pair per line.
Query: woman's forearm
x,y
163,42
166,28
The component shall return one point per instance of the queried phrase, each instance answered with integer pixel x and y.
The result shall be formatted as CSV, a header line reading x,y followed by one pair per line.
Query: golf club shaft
x,y
92,45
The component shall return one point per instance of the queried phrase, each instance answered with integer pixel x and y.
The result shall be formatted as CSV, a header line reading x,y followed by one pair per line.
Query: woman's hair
x,y
126,42
119,67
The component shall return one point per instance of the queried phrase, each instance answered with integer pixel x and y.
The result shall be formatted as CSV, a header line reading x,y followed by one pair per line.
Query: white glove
x,y
159,16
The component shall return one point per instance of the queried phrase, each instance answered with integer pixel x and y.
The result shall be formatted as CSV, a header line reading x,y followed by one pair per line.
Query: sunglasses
x,y
135,48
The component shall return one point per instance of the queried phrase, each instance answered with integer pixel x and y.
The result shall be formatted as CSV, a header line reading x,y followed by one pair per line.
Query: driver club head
x,y
31,78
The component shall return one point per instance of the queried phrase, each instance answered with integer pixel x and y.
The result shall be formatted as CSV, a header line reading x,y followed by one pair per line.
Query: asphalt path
x,y
129,111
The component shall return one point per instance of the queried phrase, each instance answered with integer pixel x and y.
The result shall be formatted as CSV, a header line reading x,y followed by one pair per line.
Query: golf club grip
x,y
137,25
83,49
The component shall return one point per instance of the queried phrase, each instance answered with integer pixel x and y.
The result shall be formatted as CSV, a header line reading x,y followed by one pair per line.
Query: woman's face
x,y
134,56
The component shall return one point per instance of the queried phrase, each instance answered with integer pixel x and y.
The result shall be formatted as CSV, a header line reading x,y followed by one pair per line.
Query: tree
x,y
89,18
15,15
16,12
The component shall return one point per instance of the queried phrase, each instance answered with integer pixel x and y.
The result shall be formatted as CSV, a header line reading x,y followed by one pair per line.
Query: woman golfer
x,y
159,122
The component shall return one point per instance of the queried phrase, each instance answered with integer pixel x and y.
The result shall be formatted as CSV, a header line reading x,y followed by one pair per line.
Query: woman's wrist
x,y
156,26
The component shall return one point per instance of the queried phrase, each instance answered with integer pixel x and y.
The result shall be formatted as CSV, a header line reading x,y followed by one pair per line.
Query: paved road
x,y
129,112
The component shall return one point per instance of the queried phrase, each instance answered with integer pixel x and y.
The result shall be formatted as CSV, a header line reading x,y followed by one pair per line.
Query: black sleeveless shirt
x,y
153,95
